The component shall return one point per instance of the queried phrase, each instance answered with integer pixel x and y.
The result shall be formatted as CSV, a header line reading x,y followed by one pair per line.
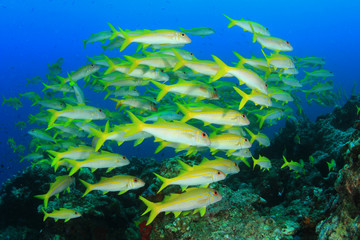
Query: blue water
x,y
37,33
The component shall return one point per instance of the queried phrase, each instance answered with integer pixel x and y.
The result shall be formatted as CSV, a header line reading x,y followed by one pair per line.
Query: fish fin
x,y
164,89
153,207
89,187
165,181
122,192
176,213
185,166
232,21
181,61
202,211
46,215
44,197
137,126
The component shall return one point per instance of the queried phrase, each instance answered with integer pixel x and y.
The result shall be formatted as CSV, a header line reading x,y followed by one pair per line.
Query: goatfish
x,y
96,161
200,176
263,162
228,142
76,153
193,198
61,183
272,43
192,88
204,67
250,78
224,165
100,36
118,183
177,132
295,166
40,134
260,137
135,102
221,116
256,97
199,31
83,72
76,112
147,37
246,26
117,134
12,102
62,213
154,61
139,71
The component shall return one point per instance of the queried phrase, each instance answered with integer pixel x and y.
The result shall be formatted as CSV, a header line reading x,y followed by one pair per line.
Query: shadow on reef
x,y
320,203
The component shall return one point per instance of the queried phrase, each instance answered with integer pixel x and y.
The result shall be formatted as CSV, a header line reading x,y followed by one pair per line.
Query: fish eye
x,y
218,173
136,180
235,165
246,140
76,213
100,110
162,70
216,193
243,115
266,85
124,157
204,134
183,34
92,65
191,54
215,89
267,29
287,42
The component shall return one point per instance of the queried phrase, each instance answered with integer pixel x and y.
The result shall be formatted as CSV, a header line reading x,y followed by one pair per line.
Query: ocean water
x,y
37,33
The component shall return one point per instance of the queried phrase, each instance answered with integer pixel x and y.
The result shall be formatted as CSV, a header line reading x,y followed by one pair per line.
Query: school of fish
x,y
177,100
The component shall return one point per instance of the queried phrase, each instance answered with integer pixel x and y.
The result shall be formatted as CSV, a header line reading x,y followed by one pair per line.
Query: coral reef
x,y
275,204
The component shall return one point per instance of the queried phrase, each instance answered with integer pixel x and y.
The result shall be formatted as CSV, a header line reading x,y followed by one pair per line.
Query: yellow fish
x,y
193,198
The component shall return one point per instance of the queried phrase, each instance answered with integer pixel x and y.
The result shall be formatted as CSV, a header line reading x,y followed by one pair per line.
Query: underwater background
x,y
37,33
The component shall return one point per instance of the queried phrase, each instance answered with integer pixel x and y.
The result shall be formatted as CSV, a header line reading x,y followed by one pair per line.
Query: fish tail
x,y
285,162
241,58
84,41
108,93
56,157
4,100
54,116
127,40
181,61
252,135
222,71
134,62
118,102
101,136
115,32
62,81
185,111
161,146
89,187
43,197
185,166
75,166
165,181
254,162
232,21
112,66
261,119
137,126
244,96
253,31
46,87
46,215
164,90
27,81
153,207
